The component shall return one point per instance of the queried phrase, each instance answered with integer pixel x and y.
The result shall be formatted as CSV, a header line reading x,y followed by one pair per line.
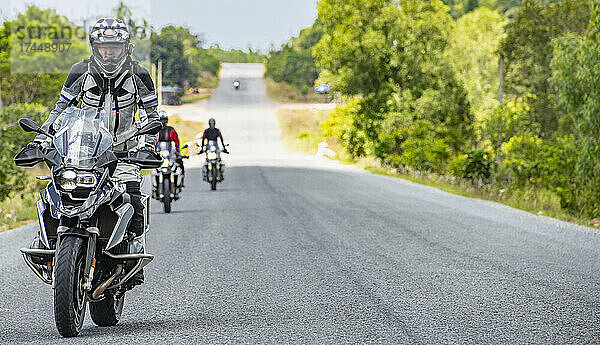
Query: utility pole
x,y
159,82
154,75
501,68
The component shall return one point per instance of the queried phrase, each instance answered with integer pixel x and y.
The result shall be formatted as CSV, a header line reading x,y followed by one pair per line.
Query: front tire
x,y
69,295
107,312
213,177
167,195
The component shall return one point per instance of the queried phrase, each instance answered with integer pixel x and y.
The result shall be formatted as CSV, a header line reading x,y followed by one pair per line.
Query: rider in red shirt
x,y
168,133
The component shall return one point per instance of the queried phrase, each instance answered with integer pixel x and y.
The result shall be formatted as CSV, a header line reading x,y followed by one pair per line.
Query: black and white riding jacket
x,y
121,97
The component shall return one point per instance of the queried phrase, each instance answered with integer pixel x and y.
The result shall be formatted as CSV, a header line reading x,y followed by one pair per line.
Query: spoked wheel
x,y
107,312
213,177
167,195
69,295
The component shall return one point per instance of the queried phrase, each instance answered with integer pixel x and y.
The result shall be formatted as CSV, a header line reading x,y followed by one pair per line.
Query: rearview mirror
x,y
29,125
151,128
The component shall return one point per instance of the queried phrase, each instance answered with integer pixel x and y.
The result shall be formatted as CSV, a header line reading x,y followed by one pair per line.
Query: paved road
x,y
292,249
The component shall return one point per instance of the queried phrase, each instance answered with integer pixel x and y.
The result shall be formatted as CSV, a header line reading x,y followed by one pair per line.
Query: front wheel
x,y
213,177
107,312
69,295
167,195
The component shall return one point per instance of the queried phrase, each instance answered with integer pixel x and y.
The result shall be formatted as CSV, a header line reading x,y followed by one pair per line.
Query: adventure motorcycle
x,y
212,171
236,84
82,248
167,180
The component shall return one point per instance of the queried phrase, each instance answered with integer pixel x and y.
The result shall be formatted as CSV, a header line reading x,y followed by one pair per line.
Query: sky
x,y
231,23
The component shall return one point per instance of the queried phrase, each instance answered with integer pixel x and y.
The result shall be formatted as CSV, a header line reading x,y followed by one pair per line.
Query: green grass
x,y
186,130
301,132
286,93
301,129
194,98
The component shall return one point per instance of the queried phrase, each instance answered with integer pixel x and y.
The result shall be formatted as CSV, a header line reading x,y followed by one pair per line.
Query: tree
x,y
528,51
471,5
168,46
392,58
576,71
236,55
473,48
294,63
29,74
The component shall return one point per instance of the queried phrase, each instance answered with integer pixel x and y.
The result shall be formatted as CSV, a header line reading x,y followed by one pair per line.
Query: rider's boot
x,y
176,188
136,227
205,172
135,246
155,187
36,243
221,170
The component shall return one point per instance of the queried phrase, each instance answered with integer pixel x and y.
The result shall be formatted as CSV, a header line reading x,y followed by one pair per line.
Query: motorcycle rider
x,y
213,133
112,80
168,133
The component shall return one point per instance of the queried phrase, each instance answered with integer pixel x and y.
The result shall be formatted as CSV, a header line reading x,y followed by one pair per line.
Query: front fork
x,y
91,233
207,168
161,178
90,258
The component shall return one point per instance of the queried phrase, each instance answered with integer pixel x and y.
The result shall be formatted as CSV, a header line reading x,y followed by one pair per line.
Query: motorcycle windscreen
x,y
212,145
83,136
166,149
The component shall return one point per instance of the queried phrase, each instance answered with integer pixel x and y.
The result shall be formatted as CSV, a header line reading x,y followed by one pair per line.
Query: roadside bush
x,y
522,164
12,139
560,160
475,165
423,149
547,164
339,125
508,120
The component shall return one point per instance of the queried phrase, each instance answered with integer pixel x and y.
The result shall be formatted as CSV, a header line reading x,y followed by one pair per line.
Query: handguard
x,y
145,159
29,156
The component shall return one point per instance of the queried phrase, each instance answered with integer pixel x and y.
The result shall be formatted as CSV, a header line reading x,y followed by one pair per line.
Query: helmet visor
x,y
110,51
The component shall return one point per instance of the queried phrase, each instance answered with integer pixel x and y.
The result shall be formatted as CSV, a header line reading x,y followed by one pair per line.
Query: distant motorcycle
x,y
236,84
167,179
82,248
212,171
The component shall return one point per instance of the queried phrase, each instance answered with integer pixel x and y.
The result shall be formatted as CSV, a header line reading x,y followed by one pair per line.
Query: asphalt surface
x,y
291,249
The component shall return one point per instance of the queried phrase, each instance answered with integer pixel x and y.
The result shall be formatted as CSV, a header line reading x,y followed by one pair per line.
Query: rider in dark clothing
x,y
212,133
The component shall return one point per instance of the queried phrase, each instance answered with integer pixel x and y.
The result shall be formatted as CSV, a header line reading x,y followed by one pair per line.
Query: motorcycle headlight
x,y
212,155
68,180
86,180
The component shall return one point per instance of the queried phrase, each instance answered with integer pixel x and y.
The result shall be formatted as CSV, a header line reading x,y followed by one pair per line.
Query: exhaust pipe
x,y
100,289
